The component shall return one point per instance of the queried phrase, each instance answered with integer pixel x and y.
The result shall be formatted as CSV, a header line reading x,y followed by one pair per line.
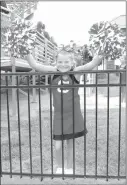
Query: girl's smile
x,y
64,63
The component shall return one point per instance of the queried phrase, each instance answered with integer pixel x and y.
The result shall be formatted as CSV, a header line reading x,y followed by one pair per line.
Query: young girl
x,y
64,64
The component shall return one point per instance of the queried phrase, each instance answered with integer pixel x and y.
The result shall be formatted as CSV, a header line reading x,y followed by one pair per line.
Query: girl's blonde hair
x,y
70,54
64,52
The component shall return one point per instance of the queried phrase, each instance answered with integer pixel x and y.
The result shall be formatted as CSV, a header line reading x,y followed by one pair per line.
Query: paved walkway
x,y
26,180
45,103
90,102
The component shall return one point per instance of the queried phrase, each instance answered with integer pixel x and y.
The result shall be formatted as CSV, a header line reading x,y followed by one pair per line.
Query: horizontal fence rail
x,y
39,144
70,72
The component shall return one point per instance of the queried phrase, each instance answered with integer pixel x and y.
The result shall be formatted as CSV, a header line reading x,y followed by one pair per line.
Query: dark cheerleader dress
x,y
67,132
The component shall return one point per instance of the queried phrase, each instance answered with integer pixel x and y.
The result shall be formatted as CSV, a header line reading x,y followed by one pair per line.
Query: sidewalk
x,y
90,102
45,104
6,180
102,102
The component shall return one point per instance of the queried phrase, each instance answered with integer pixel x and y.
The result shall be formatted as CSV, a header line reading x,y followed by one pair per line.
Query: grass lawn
x,y
79,146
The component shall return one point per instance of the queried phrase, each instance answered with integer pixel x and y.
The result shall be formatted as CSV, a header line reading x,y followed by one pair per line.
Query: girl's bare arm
x,y
39,67
89,66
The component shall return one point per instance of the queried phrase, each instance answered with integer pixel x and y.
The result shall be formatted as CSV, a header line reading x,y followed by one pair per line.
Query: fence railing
x,y
106,133
45,50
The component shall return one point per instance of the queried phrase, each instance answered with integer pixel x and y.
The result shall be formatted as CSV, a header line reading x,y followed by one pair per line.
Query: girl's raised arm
x,y
91,65
39,67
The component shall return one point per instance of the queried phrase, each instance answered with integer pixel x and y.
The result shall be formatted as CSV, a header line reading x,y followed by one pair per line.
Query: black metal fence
x,y
10,142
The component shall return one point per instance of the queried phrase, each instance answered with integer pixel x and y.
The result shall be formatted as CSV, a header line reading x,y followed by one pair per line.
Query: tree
x,y
86,54
20,36
22,33
19,29
46,34
40,27
109,38
53,40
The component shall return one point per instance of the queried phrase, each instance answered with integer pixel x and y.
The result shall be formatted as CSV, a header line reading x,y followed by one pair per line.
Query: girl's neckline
x,y
65,77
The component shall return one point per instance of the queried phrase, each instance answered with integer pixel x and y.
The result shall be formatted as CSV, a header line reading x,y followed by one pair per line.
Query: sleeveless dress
x,y
69,121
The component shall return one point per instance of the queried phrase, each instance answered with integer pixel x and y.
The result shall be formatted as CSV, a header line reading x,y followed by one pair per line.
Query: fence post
x,y
34,89
13,89
90,79
34,81
93,80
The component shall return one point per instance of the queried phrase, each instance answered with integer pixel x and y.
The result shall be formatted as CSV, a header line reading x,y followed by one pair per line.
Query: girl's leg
x,y
58,147
70,153
123,97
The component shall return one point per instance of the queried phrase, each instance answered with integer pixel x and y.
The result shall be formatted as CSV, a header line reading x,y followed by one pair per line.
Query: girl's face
x,y
64,63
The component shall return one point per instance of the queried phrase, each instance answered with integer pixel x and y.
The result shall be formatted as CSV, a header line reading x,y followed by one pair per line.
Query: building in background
x,y
23,10
120,21
5,15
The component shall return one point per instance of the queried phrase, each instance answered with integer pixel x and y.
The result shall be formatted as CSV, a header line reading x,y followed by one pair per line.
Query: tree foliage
x,y
87,54
46,34
109,38
40,27
20,36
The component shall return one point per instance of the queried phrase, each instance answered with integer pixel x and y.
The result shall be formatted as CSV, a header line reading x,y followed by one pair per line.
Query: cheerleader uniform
x,y
63,110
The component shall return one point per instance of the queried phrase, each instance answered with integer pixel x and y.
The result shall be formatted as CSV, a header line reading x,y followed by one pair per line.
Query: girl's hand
x,y
100,52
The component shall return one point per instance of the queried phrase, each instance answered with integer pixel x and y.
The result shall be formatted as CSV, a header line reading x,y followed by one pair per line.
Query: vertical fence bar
x,y
96,133
19,131
51,128
34,89
29,126
126,121
1,147
40,127
0,141
62,127
46,81
73,110
107,127
84,125
119,139
9,134
14,108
